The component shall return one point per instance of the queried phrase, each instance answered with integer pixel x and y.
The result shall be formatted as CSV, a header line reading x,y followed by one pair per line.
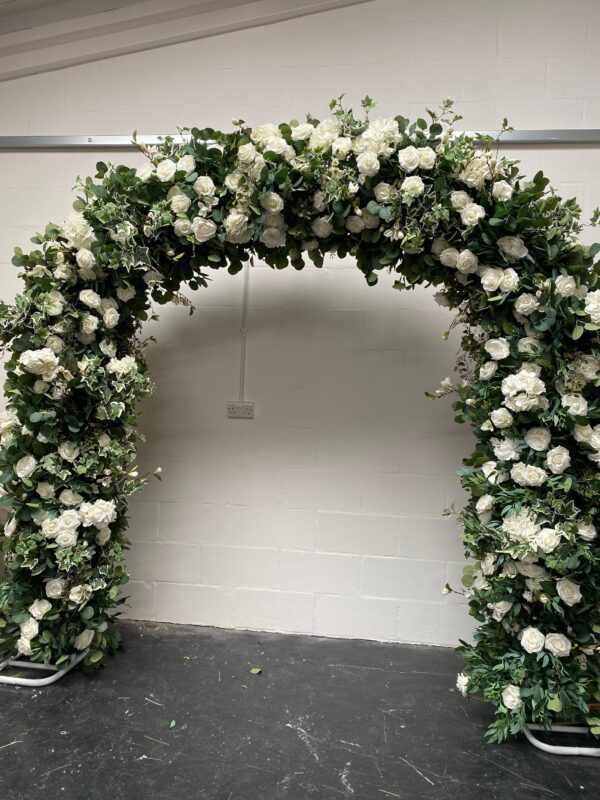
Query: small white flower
x,y
412,186
488,370
565,285
502,418
460,200
25,466
322,227
39,608
29,628
538,438
462,682
511,697
592,306
526,304
368,164
548,539
204,186
55,588
587,531
575,404
513,247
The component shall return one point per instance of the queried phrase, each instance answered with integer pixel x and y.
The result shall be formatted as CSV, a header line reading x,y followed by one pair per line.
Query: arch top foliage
x,y
432,208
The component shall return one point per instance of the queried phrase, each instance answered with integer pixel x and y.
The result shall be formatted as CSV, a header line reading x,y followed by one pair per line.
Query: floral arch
x,y
432,207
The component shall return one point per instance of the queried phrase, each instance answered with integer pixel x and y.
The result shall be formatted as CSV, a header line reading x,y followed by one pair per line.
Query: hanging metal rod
x,y
571,136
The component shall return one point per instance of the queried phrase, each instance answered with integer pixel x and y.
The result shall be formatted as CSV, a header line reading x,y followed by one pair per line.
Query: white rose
x,y
502,191
510,280
84,639
55,588
548,539
492,473
491,278
439,245
125,293
55,343
70,498
69,519
587,532
166,170
449,257
275,144
460,200
272,202
182,227
51,527
565,285
558,645
103,536
409,158
484,503
575,404
412,186
90,298
462,682
511,697
529,345
186,164
568,591
592,306
236,226
526,304
502,418
513,247
24,646
68,451
322,227
426,157
383,192
558,460
368,164
180,203
273,237
354,223
144,172
204,185
66,538
532,640
39,608
497,348
85,259
487,370
108,348
341,146
471,214
89,324
506,449
246,153
110,318
29,628
538,438
371,220
45,490
302,132
203,229
25,466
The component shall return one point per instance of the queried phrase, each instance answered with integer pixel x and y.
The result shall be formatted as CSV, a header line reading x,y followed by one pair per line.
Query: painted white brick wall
x,y
323,515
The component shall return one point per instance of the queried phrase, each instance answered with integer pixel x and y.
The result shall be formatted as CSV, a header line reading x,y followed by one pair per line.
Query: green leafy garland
x,y
434,208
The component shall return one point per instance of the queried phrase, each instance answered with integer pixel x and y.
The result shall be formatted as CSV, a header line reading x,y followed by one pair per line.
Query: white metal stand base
x,y
56,673
560,750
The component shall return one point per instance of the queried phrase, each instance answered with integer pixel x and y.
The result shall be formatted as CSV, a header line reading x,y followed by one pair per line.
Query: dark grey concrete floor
x,y
178,713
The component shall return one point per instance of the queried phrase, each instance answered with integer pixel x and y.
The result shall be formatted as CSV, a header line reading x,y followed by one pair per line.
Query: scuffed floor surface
x,y
179,714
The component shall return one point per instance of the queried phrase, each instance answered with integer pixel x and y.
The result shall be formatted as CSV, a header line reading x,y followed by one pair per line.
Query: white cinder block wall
x,y
323,515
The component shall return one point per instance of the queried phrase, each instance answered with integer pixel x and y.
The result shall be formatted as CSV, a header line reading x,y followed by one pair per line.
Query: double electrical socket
x,y
240,410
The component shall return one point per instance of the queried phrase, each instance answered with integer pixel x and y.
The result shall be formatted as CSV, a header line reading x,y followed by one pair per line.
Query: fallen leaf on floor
x,y
256,670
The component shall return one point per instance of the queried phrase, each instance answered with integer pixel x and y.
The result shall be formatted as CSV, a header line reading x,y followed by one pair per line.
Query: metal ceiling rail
x,y
559,136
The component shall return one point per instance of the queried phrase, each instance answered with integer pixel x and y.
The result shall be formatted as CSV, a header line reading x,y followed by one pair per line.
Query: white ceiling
x,y
41,35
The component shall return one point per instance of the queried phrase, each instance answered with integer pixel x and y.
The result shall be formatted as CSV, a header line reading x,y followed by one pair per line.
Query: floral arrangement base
x,y
560,750
56,672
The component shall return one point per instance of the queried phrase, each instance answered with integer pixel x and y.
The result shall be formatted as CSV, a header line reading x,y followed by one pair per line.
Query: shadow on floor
x,y
179,711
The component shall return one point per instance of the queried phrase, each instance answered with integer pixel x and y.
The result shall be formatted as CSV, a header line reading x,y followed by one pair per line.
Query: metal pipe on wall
x,y
542,137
